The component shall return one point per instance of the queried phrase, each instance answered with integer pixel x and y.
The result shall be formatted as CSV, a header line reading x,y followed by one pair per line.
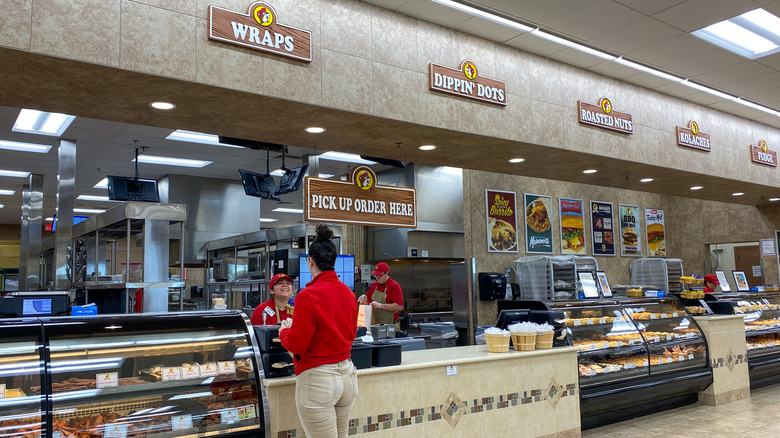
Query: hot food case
x,y
637,356
151,375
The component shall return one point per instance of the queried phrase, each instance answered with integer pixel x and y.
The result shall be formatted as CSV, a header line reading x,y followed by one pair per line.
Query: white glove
x,y
287,323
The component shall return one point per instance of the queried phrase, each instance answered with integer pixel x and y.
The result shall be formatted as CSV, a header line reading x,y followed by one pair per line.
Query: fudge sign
x,y
360,200
761,154
259,29
467,82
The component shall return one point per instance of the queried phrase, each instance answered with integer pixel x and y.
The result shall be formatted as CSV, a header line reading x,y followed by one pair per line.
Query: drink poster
x,y
538,228
501,221
656,239
602,229
630,241
572,226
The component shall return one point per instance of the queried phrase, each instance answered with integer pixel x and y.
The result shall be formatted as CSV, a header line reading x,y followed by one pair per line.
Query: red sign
x,y
762,155
603,116
466,82
693,138
259,29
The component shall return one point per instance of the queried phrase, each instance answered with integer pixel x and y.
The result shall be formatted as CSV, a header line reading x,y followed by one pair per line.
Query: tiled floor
x,y
758,416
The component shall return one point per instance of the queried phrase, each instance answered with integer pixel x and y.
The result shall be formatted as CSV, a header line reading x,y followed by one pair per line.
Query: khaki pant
x,y
324,396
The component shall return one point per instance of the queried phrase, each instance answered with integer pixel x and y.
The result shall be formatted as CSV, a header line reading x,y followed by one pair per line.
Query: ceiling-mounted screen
x,y
122,188
291,180
258,185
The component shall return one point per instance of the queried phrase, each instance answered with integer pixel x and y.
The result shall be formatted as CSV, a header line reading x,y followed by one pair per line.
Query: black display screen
x,y
121,188
258,185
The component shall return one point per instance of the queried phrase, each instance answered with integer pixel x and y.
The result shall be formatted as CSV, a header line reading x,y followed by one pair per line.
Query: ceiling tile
x,y
540,12
734,73
635,36
594,19
753,88
488,29
388,4
652,7
772,61
703,62
669,51
696,14
613,70
434,12
533,44
577,58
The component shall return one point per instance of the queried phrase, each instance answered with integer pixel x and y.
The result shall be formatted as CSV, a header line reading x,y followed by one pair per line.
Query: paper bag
x,y
364,316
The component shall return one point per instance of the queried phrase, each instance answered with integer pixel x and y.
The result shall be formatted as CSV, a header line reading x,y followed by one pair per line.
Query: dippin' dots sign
x,y
467,82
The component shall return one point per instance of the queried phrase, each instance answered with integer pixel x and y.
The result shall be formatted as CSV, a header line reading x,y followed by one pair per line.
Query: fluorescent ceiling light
x,y
325,175
2,205
757,106
697,188
102,184
774,199
645,180
162,105
753,34
288,210
265,219
14,173
95,198
516,160
647,70
169,161
7,192
315,130
24,147
427,147
704,89
198,137
486,15
572,45
41,122
87,210
737,194
347,158
590,171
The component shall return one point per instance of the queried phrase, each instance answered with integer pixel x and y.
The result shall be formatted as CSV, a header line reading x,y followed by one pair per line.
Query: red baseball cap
x,y
381,268
279,276
712,278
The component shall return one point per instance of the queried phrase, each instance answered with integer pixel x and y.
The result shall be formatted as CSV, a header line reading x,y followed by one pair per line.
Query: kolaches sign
x,y
360,200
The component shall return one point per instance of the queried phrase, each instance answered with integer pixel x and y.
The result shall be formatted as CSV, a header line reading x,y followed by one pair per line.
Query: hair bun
x,y
324,232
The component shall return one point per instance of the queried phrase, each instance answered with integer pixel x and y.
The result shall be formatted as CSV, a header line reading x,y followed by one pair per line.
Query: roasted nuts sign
x,y
603,116
259,29
762,155
693,138
467,82
360,200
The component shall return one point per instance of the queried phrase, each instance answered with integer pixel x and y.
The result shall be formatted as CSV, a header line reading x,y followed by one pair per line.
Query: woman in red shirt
x,y
278,308
320,338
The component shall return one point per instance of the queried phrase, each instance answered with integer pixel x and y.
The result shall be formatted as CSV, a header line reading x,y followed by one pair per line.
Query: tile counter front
x,y
454,392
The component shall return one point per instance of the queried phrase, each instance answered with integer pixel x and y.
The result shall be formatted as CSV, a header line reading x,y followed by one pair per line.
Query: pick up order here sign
x,y
360,200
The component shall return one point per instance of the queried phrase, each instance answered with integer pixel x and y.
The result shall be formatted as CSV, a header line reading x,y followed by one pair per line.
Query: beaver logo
x,y
694,127
606,105
470,70
364,180
762,145
263,16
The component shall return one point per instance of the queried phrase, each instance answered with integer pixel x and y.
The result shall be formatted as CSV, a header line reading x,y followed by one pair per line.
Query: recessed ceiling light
x,y
737,194
7,192
102,184
774,199
41,122
95,198
14,173
2,206
315,130
697,188
162,105
87,210
427,147
347,158
198,137
24,147
590,171
278,172
325,175
646,180
516,160
752,34
265,219
169,161
288,210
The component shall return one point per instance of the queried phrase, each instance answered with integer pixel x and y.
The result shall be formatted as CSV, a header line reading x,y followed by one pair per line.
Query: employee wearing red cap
x,y
710,283
278,308
384,295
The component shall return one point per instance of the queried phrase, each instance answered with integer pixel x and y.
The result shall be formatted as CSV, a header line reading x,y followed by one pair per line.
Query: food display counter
x,y
639,354
152,375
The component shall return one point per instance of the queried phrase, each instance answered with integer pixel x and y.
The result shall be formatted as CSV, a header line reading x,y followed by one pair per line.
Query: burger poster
x,y
630,244
538,229
602,229
656,240
572,226
501,221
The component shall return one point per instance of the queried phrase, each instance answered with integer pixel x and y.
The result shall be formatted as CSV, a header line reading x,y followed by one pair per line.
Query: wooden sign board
x,y
762,155
360,200
466,82
603,116
693,138
259,29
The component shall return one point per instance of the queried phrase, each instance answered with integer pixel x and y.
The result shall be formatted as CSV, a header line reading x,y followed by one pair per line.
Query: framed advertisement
x,y
588,283
655,231
501,221
741,279
722,281
572,220
538,225
602,229
630,231
602,277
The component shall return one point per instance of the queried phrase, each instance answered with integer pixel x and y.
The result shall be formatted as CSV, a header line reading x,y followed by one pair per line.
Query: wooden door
x,y
745,259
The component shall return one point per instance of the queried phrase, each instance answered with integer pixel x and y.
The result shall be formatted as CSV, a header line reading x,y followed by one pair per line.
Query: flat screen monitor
x,y
76,220
508,317
291,180
258,185
344,267
121,188
588,283
36,306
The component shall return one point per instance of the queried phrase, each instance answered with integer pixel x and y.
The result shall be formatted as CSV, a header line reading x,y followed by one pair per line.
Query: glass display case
x,y
151,375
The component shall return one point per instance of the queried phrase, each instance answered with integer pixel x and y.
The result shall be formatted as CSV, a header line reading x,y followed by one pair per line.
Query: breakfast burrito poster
x,y
602,229
656,239
630,242
501,221
538,229
572,226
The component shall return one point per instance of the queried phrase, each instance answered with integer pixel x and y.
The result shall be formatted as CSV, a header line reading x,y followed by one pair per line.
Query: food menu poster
x,y
501,216
538,228
572,226
656,238
630,234
602,229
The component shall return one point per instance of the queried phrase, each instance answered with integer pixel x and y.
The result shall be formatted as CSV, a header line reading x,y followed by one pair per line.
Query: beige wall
x,y
690,225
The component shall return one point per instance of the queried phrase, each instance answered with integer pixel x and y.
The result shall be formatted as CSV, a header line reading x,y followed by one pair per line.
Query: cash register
x,y
34,304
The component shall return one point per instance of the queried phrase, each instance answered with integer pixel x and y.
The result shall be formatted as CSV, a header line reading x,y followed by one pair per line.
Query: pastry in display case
x,y
143,375
21,374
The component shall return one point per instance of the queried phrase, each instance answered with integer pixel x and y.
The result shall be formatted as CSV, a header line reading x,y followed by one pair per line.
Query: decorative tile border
x,y
730,361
